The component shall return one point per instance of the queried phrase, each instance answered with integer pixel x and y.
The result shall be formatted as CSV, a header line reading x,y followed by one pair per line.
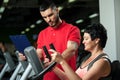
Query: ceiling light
x,y
27,29
38,21
5,1
32,26
2,9
93,15
82,30
23,32
79,21
60,8
70,1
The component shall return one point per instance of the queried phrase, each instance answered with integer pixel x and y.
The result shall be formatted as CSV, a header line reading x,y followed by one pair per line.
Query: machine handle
x,y
47,53
47,68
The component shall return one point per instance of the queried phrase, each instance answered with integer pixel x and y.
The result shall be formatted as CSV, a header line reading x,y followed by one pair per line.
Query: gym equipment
x,y
49,67
34,64
19,69
9,65
20,42
35,67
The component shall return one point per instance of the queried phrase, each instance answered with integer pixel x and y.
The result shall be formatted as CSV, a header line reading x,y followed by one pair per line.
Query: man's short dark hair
x,y
47,4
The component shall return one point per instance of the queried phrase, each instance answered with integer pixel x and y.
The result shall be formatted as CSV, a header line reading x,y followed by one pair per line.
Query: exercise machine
x,y
19,69
9,65
35,69
34,64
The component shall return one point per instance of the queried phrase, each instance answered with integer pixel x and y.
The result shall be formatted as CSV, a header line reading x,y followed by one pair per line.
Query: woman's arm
x,y
100,68
60,73
68,72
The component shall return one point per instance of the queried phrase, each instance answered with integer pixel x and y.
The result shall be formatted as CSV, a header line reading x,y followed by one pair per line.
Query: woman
x,y
94,40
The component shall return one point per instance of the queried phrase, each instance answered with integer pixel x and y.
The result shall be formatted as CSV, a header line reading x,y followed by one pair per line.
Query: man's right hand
x,y
46,62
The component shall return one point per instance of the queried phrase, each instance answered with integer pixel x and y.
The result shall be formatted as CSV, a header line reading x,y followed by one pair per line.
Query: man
x,y
65,37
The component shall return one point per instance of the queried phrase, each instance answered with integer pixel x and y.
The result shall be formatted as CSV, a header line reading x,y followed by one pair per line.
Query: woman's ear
x,y
97,40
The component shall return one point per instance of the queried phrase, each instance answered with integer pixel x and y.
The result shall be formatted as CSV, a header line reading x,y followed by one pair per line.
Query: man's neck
x,y
59,22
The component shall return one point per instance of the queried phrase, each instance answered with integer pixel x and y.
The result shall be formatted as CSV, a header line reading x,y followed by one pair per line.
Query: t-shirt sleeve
x,y
39,41
75,35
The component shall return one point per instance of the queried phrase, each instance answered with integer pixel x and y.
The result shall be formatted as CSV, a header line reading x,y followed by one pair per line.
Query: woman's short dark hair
x,y
97,31
47,4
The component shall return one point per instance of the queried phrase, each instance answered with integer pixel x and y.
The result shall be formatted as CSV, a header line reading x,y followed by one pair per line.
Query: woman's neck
x,y
96,52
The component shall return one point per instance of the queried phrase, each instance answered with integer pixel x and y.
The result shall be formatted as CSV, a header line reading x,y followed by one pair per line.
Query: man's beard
x,y
56,22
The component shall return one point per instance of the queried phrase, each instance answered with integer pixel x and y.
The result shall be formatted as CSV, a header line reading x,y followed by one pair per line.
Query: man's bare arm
x,y
39,53
72,46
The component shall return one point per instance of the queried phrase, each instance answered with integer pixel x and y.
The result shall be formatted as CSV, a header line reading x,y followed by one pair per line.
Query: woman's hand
x,y
56,56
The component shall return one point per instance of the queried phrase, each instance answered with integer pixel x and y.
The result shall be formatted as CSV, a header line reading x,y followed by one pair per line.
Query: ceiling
x,y
21,14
